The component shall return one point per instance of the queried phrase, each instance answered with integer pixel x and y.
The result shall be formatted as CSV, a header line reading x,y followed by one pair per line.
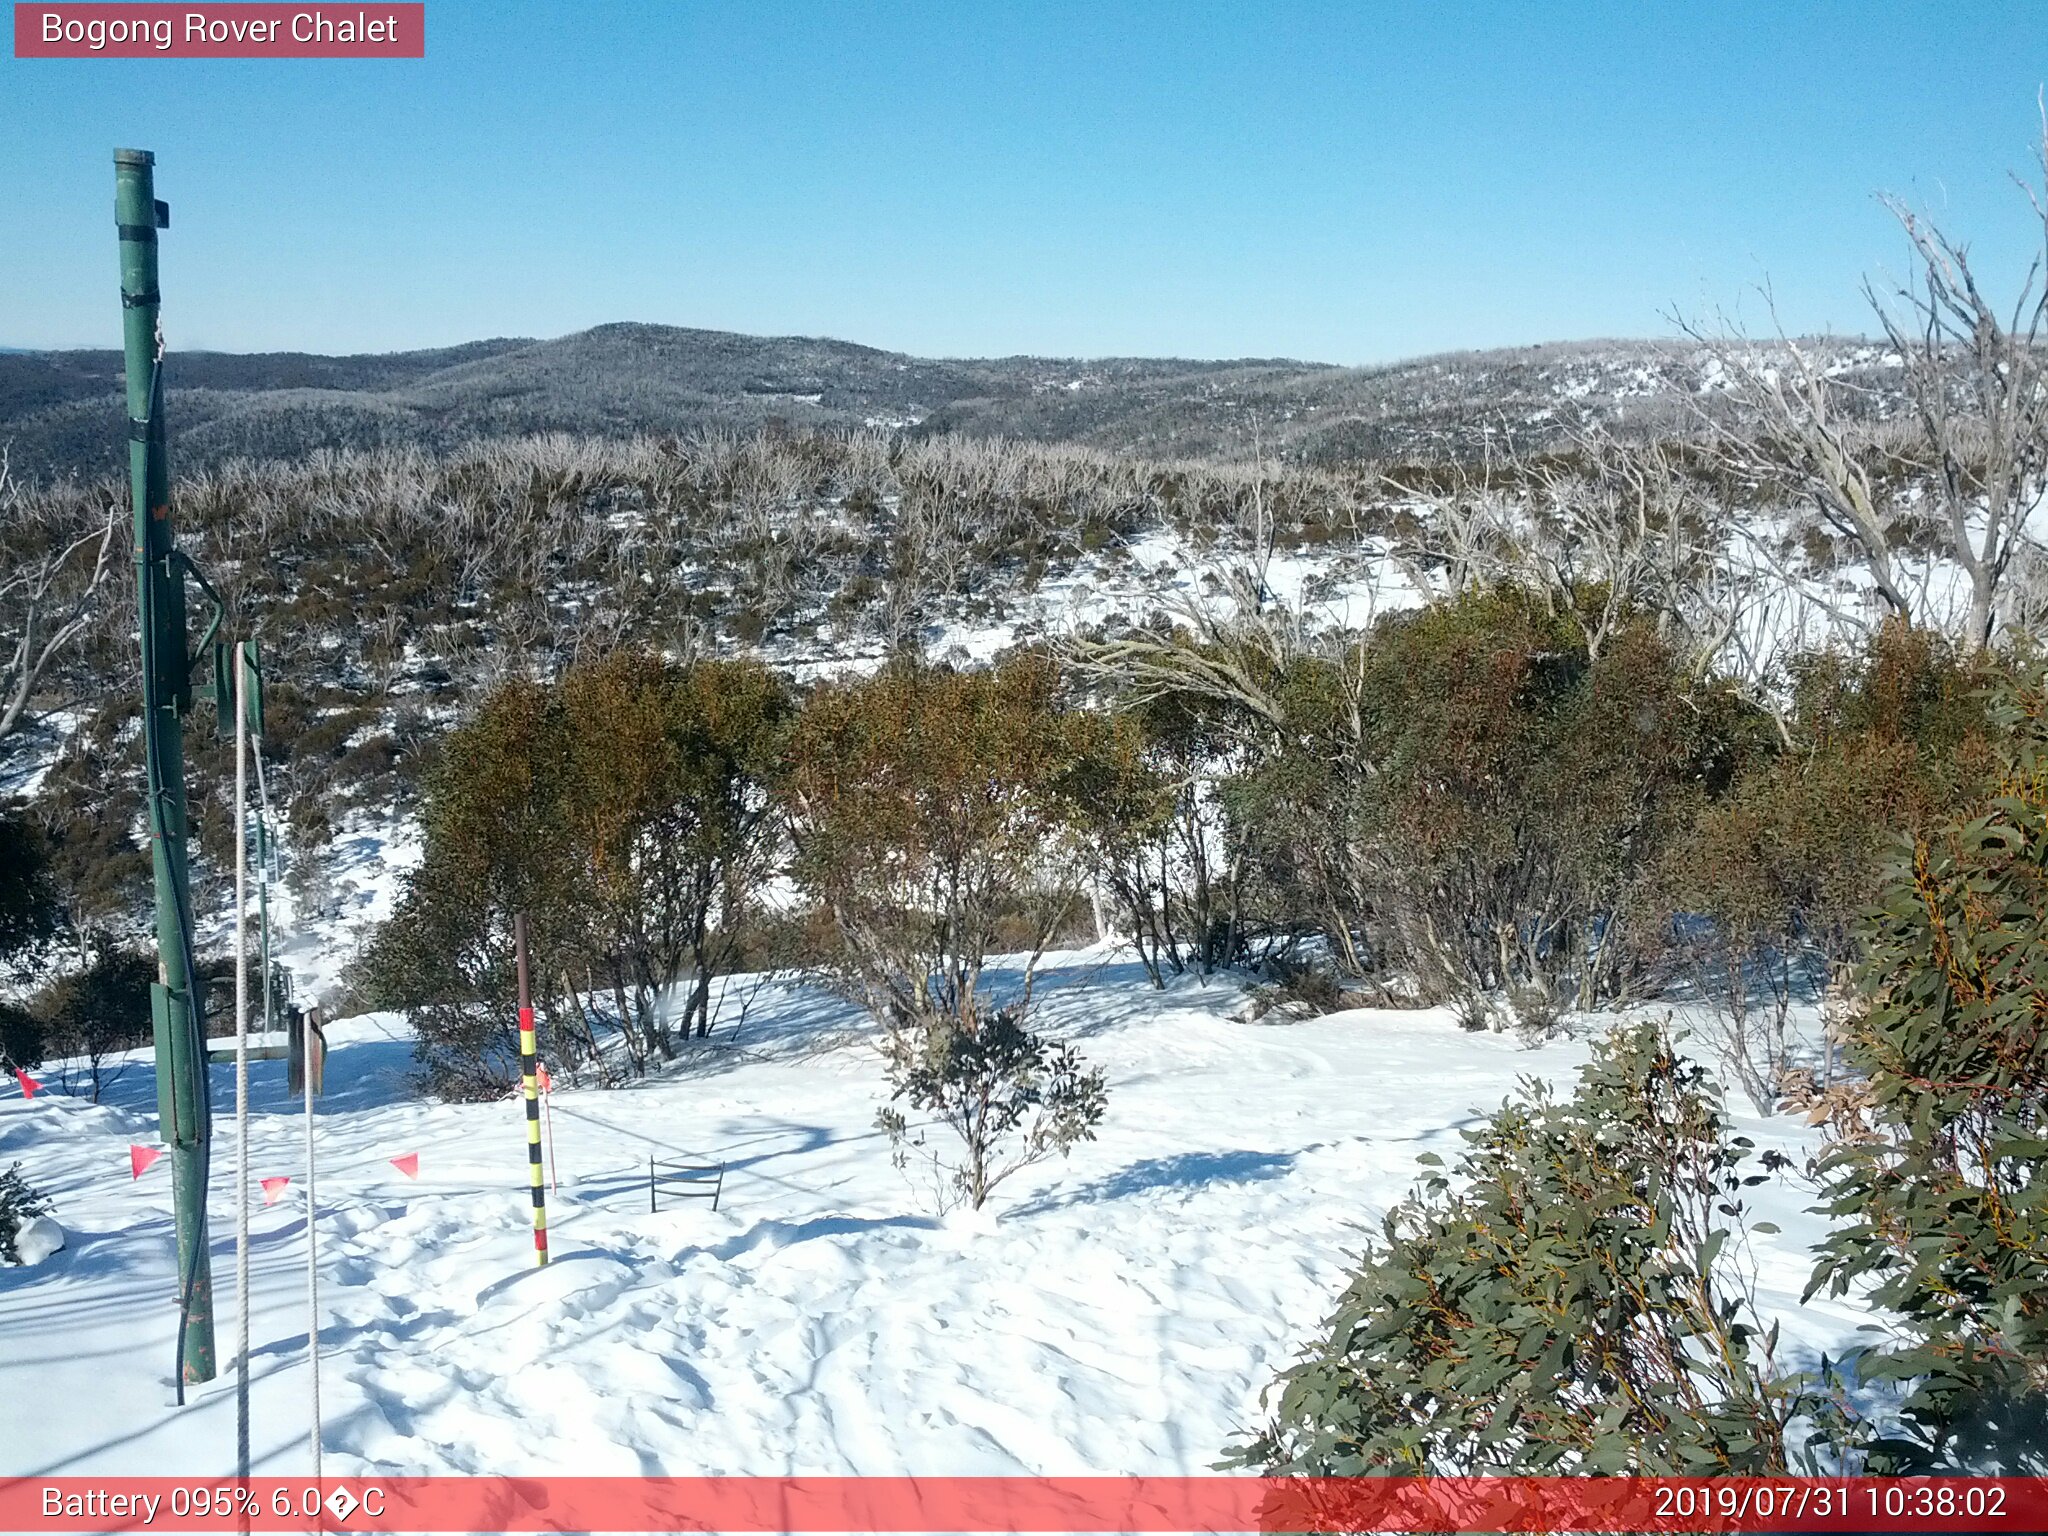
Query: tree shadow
x,y
1184,1170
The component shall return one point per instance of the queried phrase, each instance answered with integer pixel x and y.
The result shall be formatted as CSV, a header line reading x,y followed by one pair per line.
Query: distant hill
x,y
61,412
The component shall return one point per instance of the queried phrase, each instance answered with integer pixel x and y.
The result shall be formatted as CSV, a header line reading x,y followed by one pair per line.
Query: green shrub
x,y
1942,1195
21,1038
20,1203
30,906
1555,1303
1782,867
625,812
1139,783
1485,797
1301,989
96,1014
492,850
1009,1095
933,816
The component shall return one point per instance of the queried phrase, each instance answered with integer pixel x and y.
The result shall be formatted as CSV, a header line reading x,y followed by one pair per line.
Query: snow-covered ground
x,y
1119,1316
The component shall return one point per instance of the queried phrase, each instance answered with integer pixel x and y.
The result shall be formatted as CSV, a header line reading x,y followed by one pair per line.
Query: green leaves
x,y
1554,1305
934,819
20,1202
1947,1196
625,810
1012,1097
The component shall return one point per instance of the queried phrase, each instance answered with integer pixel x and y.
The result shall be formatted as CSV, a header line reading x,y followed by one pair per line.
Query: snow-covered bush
x,y
20,1203
1558,1302
1012,1097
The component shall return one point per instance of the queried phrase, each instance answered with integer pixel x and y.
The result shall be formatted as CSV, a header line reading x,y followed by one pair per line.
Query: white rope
x,y
312,1268
266,855
268,846
241,1075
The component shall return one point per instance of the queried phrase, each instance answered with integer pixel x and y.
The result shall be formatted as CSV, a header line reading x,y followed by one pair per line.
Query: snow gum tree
x,y
667,800
934,819
1142,783
493,850
625,810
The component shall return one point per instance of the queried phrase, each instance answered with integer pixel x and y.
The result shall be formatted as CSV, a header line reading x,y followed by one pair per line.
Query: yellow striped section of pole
x,y
530,1077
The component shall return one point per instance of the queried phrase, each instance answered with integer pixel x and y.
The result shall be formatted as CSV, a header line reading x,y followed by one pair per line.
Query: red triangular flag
x,y
273,1187
139,1159
409,1165
29,1086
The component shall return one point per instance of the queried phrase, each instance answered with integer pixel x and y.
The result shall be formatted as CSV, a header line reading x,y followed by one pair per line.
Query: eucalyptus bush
x,y
1012,1097
1562,1300
1941,1191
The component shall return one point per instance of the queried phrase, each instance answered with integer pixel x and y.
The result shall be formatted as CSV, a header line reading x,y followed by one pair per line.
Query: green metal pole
x,y
182,1104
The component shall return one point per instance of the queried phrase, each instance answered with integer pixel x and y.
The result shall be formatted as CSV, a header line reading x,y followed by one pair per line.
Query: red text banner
x,y
1051,1504
224,31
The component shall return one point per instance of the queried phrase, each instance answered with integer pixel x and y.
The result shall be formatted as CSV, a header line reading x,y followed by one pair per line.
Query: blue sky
x,y
1349,182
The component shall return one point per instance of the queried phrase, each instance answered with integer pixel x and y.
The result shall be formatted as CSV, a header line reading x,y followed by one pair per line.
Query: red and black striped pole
x,y
529,1074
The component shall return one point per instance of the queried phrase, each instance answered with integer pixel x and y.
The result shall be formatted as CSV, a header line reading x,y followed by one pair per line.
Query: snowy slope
x,y
1120,1316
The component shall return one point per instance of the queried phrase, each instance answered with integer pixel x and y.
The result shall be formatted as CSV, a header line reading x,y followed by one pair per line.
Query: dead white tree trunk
x,y
1979,394
44,606
1965,468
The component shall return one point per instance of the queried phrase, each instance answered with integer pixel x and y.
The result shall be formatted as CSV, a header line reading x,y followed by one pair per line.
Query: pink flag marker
x,y
274,1187
29,1086
139,1159
409,1165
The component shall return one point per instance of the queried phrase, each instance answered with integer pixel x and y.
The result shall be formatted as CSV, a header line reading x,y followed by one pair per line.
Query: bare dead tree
x,y
1963,471
1795,431
1457,529
45,605
1978,386
1616,530
1603,528
1234,652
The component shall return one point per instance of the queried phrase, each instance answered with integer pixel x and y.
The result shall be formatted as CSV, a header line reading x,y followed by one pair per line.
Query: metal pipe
x,y
183,1106
314,1053
241,1073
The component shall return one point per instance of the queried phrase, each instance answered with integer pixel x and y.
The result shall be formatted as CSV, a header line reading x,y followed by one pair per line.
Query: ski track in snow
x,y
1120,1317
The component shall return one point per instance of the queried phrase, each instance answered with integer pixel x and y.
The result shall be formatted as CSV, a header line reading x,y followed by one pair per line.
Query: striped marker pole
x,y
528,1071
